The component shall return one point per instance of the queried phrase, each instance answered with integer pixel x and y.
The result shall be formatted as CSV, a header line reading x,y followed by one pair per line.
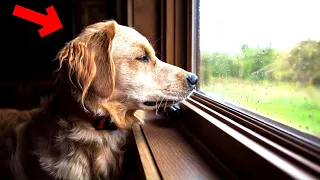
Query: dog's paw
x,y
173,111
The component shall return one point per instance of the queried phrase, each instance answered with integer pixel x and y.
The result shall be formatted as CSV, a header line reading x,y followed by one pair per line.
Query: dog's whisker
x,y
156,106
156,41
160,103
165,105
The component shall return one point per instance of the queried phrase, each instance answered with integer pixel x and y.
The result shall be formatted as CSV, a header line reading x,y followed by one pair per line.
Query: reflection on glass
x,y
265,56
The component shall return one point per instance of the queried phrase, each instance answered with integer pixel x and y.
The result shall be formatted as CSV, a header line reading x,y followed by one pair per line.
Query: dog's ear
x,y
89,60
104,82
79,61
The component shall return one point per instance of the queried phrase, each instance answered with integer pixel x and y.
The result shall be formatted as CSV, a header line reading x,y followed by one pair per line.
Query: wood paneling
x,y
146,20
130,13
170,29
176,35
165,25
180,33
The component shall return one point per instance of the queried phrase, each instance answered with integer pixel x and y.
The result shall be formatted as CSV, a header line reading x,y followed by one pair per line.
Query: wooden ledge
x,y
166,154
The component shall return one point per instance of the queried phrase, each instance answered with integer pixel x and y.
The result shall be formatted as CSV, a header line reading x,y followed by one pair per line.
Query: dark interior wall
x,y
27,59
27,56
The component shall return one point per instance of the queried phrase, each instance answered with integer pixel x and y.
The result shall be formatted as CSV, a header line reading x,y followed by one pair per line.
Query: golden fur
x,y
101,71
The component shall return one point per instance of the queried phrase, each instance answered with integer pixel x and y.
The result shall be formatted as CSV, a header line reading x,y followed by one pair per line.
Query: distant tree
x,y
245,65
304,62
217,64
300,64
252,60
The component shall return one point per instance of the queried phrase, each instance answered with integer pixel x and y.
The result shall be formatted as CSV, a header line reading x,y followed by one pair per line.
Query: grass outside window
x,y
263,58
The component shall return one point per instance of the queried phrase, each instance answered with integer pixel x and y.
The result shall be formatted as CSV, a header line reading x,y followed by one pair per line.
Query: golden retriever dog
x,y
106,74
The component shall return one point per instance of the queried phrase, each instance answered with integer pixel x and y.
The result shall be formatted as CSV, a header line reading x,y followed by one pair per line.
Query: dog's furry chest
x,y
81,153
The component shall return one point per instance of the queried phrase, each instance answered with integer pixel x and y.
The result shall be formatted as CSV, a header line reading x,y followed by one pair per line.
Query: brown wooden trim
x,y
170,29
146,20
147,161
165,25
193,56
175,24
271,131
190,30
226,143
181,33
130,13
293,164
163,32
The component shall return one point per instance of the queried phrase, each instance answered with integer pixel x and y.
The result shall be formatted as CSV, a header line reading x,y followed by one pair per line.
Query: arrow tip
x,y
53,22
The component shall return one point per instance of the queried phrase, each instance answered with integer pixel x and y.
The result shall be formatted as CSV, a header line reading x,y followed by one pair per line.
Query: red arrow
x,y
50,22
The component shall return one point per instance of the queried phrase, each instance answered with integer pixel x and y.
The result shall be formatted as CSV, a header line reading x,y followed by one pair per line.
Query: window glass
x,y
264,56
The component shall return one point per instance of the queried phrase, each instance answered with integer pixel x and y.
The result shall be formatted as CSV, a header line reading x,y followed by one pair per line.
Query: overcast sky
x,y
227,24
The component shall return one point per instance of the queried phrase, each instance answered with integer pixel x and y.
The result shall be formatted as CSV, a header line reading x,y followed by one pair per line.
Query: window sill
x,y
166,154
204,143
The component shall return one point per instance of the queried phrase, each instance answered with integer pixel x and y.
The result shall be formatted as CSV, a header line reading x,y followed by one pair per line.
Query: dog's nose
x,y
192,79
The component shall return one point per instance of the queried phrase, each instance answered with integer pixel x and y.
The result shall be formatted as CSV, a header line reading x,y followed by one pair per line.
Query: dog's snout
x,y
192,79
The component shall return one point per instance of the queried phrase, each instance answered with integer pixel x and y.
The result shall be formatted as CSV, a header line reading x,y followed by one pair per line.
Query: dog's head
x,y
116,67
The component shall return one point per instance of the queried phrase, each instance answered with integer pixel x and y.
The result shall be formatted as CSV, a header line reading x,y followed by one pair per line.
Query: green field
x,y
290,104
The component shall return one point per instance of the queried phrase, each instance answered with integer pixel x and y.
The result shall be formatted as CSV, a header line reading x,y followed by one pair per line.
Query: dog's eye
x,y
143,58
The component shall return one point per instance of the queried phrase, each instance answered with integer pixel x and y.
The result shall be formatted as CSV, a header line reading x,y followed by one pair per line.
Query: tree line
x,y
301,64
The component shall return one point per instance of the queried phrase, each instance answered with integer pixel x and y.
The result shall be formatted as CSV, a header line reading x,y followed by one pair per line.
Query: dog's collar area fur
x,y
103,123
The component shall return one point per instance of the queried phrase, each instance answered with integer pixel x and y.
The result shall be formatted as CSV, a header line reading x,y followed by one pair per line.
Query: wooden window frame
x,y
211,139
